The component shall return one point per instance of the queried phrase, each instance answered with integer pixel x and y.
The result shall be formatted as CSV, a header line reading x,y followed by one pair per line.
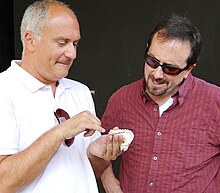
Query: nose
x,y
158,72
71,51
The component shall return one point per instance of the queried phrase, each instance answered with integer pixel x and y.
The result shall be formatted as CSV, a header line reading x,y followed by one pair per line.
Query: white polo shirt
x,y
27,111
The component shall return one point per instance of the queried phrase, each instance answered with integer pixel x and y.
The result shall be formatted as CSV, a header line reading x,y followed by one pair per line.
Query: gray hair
x,y
34,19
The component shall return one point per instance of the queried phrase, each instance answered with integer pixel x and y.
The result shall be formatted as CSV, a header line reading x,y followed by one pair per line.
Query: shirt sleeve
x,y
218,122
9,134
215,121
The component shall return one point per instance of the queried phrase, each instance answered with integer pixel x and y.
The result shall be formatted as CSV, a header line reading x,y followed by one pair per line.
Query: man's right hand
x,y
82,122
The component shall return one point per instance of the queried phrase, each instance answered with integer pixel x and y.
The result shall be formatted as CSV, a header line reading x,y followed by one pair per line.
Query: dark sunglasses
x,y
62,116
166,68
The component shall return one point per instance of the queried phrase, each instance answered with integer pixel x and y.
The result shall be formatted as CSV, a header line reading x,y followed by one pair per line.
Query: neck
x,y
54,87
160,100
30,69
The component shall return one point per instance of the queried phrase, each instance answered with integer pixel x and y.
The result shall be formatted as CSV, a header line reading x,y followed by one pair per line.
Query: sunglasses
x,y
166,68
62,116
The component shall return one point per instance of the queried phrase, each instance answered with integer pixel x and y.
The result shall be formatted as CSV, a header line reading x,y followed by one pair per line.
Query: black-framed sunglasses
x,y
166,68
62,116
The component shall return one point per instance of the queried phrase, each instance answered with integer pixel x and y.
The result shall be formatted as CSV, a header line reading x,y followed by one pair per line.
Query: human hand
x,y
106,147
84,121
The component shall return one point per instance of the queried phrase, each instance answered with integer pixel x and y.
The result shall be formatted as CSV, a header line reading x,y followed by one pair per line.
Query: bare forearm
x,y
20,169
102,151
108,173
16,171
98,164
110,183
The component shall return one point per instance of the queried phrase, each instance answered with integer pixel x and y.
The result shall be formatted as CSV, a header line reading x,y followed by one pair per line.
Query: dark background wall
x,y
114,36
6,34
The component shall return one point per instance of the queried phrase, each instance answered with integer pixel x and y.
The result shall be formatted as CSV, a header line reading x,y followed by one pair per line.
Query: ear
x,y
29,41
189,70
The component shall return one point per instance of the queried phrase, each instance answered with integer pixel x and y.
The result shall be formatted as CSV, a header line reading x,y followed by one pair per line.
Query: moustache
x,y
159,80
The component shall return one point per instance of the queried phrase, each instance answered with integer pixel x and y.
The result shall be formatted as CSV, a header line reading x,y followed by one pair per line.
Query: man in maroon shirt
x,y
175,118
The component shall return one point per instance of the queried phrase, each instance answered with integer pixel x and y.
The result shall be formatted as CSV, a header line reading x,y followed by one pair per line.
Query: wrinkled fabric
x,y
178,152
27,109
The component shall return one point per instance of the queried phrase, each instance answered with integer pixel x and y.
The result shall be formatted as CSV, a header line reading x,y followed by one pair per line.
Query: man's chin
x,y
156,92
62,75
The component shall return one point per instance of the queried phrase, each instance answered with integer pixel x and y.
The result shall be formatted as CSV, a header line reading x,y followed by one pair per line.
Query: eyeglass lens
x,y
166,68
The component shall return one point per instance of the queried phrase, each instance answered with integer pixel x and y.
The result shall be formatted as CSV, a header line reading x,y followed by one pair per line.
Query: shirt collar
x,y
145,96
184,89
63,83
30,82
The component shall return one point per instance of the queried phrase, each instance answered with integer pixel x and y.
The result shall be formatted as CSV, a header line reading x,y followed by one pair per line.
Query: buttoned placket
x,y
155,160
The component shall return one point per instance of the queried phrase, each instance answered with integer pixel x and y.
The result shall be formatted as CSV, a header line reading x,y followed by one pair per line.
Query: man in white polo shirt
x,y
50,138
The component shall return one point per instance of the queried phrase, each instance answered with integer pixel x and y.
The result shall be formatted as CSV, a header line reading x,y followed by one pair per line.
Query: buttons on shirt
x,y
155,158
156,154
155,109
159,133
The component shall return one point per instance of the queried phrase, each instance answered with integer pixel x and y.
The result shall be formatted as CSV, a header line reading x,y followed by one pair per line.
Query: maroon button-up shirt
x,y
177,152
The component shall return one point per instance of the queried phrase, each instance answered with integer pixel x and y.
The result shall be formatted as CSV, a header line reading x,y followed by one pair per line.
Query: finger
x,y
109,147
86,120
91,117
116,150
93,126
89,132
115,128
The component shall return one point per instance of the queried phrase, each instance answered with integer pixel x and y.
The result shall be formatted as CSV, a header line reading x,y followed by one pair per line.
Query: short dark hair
x,y
181,28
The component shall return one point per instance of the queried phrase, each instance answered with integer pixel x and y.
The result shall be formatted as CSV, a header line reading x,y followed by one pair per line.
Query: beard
x,y
160,88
